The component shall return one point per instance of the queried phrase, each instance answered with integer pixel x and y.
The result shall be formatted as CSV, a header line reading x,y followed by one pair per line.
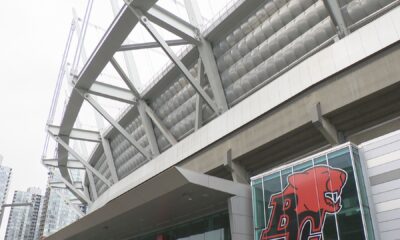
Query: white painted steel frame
x,y
61,185
109,44
174,24
71,164
81,196
112,92
103,53
235,117
109,158
138,46
78,157
337,17
77,134
153,32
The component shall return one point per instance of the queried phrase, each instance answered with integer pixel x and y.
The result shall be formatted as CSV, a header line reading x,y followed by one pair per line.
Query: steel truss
x,y
84,85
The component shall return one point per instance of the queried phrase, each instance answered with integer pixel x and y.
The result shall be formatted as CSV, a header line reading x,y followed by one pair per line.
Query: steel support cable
x,y
57,89
82,37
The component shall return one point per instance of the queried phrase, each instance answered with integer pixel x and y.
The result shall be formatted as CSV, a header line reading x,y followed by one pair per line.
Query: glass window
x,y
258,207
214,227
349,219
313,199
363,194
272,185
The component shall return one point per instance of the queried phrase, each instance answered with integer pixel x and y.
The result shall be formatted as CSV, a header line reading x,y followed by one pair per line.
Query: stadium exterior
x,y
279,121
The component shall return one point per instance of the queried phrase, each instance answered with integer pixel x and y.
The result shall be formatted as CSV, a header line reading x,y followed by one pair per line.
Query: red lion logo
x,y
299,211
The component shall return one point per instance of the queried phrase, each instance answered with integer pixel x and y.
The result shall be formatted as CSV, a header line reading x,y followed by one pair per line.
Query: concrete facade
x,y
346,91
273,114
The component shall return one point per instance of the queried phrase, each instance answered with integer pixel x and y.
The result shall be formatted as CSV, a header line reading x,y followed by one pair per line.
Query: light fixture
x,y
187,196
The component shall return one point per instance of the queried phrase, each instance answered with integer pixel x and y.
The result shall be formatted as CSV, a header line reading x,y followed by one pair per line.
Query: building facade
x,y
5,177
57,211
293,134
23,222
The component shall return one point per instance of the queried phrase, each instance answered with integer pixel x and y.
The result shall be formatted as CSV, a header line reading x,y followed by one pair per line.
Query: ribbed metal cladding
x,y
280,33
382,161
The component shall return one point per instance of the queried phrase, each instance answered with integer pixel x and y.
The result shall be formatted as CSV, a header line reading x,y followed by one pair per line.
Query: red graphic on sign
x,y
299,211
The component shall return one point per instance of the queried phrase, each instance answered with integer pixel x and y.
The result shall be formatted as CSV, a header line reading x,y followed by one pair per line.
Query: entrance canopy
x,y
174,196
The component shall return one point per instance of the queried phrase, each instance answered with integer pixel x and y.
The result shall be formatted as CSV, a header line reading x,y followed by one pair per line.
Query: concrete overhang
x,y
173,196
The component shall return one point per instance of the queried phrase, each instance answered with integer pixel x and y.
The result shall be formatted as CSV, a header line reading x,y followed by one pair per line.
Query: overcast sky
x,y
32,39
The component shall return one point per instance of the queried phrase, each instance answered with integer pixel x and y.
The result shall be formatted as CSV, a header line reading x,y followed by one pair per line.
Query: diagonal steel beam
x,y
109,158
86,191
112,40
148,127
68,201
157,121
92,185
138,46
146,23
130,62
207,56
78,157
173,23
124,77
114,123
76,192
211,69
337,17
199,101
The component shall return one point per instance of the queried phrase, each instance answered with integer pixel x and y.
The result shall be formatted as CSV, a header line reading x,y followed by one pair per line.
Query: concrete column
x,y
241,218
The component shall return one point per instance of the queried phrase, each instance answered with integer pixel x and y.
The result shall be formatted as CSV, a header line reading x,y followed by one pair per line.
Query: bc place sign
x,y
313,199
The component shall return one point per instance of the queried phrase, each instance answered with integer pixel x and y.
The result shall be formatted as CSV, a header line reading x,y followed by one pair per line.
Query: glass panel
x,y
272,185
329,230
214,227
349,218
308,200
363,193
316,199
258,207
320,160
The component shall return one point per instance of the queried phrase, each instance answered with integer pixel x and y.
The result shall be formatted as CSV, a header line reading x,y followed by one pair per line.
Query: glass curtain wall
x,y
213,227
322,197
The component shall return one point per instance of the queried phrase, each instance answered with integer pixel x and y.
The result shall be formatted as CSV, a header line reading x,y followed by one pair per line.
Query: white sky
x,y
32,40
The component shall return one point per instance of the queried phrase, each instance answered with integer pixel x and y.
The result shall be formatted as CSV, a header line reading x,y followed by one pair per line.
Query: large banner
x,y
313,199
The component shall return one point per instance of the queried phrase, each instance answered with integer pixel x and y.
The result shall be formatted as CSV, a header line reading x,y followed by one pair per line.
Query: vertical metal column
x,y
207,57
199,101
109,158
337,17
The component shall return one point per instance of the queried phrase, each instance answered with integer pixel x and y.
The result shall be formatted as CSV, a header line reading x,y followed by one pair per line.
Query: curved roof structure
x,y
249,46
